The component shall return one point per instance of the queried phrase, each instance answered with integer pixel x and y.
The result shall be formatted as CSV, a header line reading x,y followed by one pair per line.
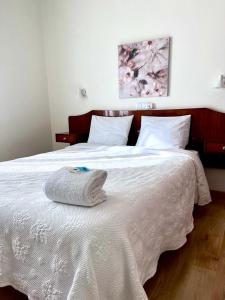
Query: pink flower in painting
x,y
126,75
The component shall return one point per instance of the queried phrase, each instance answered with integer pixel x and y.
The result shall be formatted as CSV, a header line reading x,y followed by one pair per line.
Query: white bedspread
x,y
55,251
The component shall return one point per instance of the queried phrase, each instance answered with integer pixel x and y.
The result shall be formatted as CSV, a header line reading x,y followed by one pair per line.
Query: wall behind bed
x,y
24,110
81,39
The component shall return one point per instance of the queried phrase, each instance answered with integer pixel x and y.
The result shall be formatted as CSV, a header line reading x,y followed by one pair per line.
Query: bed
x,y
54,251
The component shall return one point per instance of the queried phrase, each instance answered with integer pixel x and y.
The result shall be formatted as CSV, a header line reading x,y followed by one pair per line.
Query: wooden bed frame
x,y
207,134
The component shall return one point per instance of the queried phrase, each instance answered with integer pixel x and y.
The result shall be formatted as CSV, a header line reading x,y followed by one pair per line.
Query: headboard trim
x,y
206,124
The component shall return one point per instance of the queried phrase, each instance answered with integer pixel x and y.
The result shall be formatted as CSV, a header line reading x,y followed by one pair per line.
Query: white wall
x,y
81,39
82,36
24,108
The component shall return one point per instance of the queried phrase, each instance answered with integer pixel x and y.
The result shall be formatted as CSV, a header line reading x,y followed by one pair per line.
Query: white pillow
x,y
110,131
164,132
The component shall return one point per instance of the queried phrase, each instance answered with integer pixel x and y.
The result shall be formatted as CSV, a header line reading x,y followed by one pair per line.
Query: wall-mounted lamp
x,y
83,92
220,83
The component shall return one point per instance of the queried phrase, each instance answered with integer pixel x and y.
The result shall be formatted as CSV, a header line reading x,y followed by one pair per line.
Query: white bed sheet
x,y
55,251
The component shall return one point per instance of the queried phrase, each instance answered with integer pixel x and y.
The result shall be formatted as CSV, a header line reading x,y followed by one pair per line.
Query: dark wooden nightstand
x,y
214,153
214,147
66,137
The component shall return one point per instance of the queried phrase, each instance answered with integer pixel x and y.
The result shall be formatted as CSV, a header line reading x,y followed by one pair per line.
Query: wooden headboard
x,y
206,126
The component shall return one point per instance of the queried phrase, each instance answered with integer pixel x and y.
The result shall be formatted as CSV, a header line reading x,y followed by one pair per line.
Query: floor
x,y
197,270
194,272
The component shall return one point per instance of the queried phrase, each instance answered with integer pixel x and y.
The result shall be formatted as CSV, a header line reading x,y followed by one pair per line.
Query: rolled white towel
x,y
74,186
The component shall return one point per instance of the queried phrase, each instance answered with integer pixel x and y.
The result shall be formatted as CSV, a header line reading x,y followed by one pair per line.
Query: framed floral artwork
x,y
144,68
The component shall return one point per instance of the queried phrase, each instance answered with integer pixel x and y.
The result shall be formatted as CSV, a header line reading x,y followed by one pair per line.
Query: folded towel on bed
x,y
77,186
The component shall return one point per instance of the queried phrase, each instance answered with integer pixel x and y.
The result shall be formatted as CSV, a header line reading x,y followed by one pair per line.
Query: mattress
x,y
56,251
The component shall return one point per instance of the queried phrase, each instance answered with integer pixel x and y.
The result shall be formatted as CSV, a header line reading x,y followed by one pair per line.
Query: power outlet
x,y
145,106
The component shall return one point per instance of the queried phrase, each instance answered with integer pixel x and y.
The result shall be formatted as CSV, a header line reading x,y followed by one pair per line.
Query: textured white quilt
x,y
56,251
